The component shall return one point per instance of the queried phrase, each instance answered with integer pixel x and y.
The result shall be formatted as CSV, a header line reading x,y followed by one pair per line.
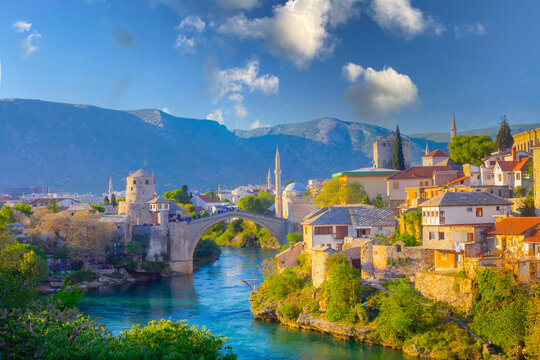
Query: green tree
x,y
25,260
184,188
292,238
134,248
504,139
99,208
212,194
53,206
257,204
6,215
113,200
332,193
470,149
344,290
105,200
178,196
26,209
527,210
290,181
398,160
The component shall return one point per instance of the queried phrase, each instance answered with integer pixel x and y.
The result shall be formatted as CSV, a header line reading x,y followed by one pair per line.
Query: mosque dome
x,y
295,187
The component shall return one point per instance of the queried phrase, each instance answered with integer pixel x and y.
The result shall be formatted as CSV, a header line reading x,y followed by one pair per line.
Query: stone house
x,y
288,258
295,206
436,158
453,220
517,240
330,225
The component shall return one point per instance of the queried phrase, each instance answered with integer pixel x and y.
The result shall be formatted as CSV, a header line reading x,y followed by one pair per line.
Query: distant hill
x,y
77,147
491,131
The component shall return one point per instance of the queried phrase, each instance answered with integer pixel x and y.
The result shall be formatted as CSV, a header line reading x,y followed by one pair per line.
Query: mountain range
x,y
78,147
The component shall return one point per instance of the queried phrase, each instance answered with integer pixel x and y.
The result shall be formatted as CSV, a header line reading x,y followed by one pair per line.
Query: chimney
x,y
513,153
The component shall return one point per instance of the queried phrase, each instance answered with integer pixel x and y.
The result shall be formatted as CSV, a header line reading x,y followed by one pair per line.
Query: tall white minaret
x,y
269,180
453,131
111,192
277,173
427,148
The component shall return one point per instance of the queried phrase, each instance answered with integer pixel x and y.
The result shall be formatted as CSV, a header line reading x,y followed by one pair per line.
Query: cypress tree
x,y
398,160
504,138
106,200
113,200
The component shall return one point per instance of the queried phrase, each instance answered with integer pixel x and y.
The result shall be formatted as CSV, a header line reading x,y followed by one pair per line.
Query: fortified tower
x,y
140,189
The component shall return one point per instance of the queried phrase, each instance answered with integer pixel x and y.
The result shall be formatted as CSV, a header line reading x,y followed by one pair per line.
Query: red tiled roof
x,y
6,198
208,199
437,153
507,165
514,225
418,172
523,164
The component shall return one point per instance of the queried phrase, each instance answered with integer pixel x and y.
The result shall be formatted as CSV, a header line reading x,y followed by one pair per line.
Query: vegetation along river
x,y
216,297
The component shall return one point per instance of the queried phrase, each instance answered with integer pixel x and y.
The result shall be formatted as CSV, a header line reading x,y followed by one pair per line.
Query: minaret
x,y
277,173
453,132
427,148
269,180
219,189
111,192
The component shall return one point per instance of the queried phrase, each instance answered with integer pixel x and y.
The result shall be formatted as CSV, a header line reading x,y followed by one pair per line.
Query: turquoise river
x,y
215,297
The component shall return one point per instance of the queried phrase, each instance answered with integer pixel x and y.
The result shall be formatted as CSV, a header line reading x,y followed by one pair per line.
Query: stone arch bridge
x,y
184,235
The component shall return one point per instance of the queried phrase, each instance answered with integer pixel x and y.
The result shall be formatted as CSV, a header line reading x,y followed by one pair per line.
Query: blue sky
x,y
248,63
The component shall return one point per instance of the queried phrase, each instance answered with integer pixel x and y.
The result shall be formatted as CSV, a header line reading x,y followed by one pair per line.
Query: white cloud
x,y
400,17
194,22
257,124
236,97
239,4
238,79
381,93
352,71
217,115
470,29
298,29
240,110
21,26
185,44
166,110
28,44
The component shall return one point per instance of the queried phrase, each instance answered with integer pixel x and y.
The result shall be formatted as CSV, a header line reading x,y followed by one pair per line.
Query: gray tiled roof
x,y
357,216
466,199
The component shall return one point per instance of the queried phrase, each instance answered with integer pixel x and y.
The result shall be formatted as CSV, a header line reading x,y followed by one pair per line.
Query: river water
x,y
216,297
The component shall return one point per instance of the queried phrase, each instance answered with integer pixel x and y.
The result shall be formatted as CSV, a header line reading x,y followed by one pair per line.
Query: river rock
x,y
350,332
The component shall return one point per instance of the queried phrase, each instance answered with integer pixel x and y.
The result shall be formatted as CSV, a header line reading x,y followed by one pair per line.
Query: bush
x,y
344,291
26,260
292,238
82,275
281,285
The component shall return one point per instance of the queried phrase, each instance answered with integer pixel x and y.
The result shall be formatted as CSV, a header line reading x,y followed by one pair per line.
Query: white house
x,y
207,202
329,226
453,219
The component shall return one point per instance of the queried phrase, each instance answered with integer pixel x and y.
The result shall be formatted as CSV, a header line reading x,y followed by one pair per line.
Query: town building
x,y
372,179
417,176
330,225
43,203
526,140
296,206
453,220
207,203
436,158
517,241
140,189
383,151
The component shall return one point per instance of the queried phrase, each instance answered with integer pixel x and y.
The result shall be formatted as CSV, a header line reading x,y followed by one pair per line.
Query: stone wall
x,y
288,258
453,290
318,266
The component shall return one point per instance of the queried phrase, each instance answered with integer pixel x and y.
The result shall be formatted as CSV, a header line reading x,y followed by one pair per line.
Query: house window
x,y
323,230
432,235
479,212
132,188
134,182
441,215
398,248
441,235
470,237
383,144
305,230
500,177
395,185
362,232
146,181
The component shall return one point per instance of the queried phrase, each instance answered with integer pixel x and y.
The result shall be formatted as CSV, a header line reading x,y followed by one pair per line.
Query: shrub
x,y
344,291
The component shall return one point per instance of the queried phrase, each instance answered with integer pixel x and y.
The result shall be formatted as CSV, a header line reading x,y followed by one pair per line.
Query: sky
x,y
252,63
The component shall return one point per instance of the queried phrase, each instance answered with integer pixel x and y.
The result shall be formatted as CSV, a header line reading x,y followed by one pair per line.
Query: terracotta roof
x,y
523,164
437,153
514,225
507,165
208,199
418,172
533,236
458,180
159,200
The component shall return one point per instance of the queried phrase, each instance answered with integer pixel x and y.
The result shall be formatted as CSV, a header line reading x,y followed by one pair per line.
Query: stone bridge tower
x,y
140,188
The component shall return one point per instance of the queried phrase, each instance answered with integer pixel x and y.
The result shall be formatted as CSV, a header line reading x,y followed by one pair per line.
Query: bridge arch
x,y
186,235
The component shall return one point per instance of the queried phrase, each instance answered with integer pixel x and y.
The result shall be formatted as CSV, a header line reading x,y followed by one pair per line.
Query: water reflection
x,y
216,298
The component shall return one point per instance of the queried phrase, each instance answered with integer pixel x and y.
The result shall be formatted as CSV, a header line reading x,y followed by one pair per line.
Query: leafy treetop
x,y
470,149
